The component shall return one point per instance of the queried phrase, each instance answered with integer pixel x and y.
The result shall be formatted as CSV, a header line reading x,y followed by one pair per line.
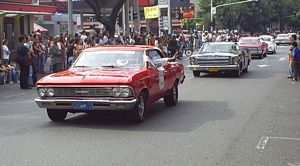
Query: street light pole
x,y
211,15
170,17
70,17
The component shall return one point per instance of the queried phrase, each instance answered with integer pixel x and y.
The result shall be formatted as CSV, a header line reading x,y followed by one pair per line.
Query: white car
x,y
272,46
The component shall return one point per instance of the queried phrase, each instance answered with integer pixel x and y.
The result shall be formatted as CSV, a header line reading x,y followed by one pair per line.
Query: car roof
x,y
221,43
249,37
266,36
120,48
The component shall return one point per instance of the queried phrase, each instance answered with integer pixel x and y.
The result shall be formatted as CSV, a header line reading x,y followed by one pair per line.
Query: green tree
x,y
255,17
104,14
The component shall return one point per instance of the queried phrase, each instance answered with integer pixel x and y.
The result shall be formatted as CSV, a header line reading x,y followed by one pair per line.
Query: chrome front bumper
x,y
97,103
213,68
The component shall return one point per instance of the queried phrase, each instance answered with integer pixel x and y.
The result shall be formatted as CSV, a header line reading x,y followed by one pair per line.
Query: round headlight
x,y
50,92
116,92
125,92
192,60
235,59
42,92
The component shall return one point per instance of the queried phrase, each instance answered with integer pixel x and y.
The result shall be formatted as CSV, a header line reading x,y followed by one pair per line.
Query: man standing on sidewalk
x,y
295,55
23,58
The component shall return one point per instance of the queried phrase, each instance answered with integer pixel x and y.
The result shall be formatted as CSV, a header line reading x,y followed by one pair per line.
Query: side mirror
x,y
159,64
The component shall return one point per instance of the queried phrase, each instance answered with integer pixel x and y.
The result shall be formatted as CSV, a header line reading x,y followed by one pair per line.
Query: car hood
x,y
282,38
270,43
214,54
89,77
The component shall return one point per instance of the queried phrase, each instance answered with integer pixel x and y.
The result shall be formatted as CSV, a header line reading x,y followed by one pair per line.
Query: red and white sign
x,y
188,14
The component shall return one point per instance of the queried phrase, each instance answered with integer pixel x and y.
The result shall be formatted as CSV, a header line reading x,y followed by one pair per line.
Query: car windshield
x,y
267,39
283,36
249,40
217,47
111,59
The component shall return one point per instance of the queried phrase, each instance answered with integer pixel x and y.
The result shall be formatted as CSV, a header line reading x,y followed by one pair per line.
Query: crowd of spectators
x,y
62,50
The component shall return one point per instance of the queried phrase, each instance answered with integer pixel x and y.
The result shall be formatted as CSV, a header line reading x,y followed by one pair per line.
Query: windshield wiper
x,y
82,66
110,66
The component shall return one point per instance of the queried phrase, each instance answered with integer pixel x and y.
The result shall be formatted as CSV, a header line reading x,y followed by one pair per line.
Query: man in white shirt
x,y
5,51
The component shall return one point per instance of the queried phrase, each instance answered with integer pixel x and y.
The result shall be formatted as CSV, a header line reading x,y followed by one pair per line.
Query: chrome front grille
x,y
83,91
213,60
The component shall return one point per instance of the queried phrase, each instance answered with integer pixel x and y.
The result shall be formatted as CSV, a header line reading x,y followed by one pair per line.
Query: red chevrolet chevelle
x,y
125,78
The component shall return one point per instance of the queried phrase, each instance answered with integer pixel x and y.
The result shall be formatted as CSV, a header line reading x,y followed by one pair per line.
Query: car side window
x,y
154,56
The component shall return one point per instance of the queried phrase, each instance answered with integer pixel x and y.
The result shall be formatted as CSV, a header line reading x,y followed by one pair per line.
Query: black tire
x,y
265,54
261,56
196,73
172,98
138,113
56,115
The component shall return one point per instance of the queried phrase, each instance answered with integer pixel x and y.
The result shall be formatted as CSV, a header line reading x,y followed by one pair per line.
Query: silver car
x,y
282,39
220,57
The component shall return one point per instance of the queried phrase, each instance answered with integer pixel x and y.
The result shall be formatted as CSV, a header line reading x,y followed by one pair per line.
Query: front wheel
x,y
138,113
188,52
56,115
172,98
196,73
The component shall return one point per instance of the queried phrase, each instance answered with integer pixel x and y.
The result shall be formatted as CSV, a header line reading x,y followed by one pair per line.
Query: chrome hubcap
x,y
174,93
141,106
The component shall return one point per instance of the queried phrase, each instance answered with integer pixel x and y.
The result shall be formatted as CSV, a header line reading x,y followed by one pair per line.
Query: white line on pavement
x,y
262,143
189,78
18,94
262,66
293,164
282,59
286,138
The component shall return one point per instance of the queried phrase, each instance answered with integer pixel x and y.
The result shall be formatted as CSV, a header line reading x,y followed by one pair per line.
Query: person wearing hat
x,y
5,51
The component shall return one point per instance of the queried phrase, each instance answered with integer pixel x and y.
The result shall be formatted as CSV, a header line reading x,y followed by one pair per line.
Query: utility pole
x,y
137,21
169,17
70,18
131,19
211,15
126,20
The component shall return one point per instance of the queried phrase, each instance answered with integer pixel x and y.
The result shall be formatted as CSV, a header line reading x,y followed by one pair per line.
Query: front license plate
x,y
212,69
82,105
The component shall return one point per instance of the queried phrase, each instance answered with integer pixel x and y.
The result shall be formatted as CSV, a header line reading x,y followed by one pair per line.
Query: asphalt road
x,y
253,120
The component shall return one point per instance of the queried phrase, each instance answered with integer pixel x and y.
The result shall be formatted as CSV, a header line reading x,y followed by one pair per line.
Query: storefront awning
x,y
16,8
37,27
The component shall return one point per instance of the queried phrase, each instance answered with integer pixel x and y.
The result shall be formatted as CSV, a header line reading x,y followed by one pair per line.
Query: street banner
x,y
152,12
188,14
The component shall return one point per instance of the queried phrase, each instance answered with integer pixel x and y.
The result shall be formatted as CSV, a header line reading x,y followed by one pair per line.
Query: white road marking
x,y
293,164
18,94
286,138
262,143
189,78
262,66
282,59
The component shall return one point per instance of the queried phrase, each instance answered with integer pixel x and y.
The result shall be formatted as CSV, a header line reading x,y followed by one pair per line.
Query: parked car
x,y
272,46
220,57
283,39
255,46
111,78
